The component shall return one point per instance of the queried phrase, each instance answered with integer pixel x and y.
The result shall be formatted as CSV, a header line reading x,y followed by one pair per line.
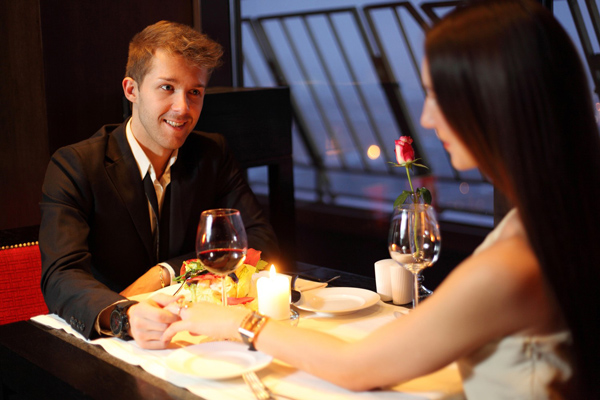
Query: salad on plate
x,y
206,286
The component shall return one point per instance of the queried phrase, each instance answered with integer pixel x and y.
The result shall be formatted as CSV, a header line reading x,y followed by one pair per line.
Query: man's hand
x,y
149,319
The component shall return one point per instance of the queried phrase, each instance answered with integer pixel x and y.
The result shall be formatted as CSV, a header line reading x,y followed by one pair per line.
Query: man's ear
x,y
130,88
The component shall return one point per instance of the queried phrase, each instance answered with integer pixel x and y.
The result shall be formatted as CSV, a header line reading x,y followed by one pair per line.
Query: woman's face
x,y
432,118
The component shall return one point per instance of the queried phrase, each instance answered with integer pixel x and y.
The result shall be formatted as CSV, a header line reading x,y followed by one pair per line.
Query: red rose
x,y
404,151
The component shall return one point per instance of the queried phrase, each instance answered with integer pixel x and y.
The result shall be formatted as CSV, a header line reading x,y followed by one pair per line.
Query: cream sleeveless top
x,y
517,366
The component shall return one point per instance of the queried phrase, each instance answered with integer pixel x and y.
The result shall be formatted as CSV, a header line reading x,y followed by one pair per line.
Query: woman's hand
x,y
149,319
205,319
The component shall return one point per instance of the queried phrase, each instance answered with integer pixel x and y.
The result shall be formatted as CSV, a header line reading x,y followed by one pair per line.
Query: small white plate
x,y
336,300
217,360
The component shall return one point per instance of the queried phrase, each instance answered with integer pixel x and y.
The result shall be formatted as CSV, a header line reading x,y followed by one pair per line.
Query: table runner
x,y
280,377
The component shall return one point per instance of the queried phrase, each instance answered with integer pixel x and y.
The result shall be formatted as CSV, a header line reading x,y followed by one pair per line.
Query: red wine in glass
x,y
222,261
221,243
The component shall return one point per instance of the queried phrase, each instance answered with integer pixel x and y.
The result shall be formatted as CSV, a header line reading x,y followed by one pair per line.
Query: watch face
x,y
115,322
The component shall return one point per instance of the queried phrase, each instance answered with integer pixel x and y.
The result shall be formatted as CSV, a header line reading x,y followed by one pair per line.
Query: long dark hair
x,y
509,81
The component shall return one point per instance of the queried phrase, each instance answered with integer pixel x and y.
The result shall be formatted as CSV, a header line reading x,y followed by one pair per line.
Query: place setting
x,y
228,272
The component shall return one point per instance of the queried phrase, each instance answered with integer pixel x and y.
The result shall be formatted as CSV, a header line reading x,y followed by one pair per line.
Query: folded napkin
x,y
302,285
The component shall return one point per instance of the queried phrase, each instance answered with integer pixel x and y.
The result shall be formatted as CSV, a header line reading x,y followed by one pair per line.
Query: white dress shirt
x,y
160,185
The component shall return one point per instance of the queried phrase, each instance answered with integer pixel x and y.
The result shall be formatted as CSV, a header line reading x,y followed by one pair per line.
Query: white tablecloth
x,y
279,377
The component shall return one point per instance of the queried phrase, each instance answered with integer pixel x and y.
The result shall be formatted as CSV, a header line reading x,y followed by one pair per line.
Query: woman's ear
x,y
130,88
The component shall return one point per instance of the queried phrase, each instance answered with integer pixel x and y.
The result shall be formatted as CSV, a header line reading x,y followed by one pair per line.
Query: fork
x,y
261,392
179,288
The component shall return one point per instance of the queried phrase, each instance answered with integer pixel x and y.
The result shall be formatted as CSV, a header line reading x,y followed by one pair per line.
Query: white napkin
x,y
302,285
280,377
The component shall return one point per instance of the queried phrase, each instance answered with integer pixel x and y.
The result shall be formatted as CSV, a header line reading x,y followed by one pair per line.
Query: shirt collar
x,y
141,158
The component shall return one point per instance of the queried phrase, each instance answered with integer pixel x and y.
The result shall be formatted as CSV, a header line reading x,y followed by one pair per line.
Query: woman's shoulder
x,y
506,257
507,276
509,262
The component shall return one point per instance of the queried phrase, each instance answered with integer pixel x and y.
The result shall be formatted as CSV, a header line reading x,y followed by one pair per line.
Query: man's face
x,y
167,103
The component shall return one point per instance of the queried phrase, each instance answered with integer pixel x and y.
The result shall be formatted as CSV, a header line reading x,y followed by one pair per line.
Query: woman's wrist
x,y
250,327
239,317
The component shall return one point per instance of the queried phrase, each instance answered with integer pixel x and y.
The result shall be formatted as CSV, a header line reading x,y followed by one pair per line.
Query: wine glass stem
x,y
415,290
223,294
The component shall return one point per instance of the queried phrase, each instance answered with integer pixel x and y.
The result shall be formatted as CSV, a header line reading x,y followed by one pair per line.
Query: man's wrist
x,y
161,277
119,319
168,273
103,320
102,325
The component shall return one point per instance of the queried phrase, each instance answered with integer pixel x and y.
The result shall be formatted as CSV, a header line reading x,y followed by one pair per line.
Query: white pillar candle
x,y
274,295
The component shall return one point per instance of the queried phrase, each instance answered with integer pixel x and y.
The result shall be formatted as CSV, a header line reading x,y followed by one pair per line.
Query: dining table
x,y
45,358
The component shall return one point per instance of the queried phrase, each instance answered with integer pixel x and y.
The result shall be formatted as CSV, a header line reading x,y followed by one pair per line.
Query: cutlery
x,y
261,392
314,278
331,279
179,288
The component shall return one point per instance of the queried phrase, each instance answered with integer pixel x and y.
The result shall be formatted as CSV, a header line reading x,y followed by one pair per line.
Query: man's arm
x,y
68,285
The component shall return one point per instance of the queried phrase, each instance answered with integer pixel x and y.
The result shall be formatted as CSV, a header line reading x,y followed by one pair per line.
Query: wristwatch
x,y
119,320
251,327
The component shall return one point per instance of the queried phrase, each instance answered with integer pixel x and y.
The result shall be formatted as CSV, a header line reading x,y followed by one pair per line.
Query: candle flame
x,y
272,271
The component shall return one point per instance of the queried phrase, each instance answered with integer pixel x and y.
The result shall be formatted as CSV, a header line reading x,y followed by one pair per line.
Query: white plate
x,y
336,300
217,360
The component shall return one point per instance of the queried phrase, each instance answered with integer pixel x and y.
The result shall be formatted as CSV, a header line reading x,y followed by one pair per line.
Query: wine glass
x,y
414,240
221,243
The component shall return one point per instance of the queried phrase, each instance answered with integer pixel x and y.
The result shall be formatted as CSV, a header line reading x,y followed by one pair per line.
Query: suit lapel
x,y
181,206
122,170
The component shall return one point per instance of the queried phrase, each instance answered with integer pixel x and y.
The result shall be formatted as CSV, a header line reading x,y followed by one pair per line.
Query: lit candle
x,y
274,295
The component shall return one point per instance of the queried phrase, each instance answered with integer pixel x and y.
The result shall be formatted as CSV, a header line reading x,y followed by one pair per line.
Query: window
x,y
353,67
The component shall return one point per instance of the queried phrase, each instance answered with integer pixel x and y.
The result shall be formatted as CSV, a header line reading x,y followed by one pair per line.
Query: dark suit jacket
x,y
95,235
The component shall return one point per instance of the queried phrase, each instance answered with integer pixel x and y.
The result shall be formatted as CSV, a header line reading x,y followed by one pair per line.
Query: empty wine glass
x,y
221,243
414,240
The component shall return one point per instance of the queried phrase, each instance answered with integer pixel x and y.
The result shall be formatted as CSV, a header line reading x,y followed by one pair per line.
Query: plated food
x,y
202,285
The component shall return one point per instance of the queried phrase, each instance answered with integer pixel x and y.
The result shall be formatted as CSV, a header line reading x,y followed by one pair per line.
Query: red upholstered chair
x,y
20,273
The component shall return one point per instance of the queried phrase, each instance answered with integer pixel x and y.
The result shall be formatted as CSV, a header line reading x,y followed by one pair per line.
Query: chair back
x,y
20,275
257,123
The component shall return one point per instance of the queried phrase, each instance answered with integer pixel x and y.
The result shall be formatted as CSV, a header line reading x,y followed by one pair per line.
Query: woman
x,y
506,93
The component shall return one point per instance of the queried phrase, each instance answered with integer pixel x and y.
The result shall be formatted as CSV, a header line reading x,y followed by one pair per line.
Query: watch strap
x,y
251,327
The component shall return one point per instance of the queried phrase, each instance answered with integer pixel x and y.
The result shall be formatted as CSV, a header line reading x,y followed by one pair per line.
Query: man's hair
x,y
196,48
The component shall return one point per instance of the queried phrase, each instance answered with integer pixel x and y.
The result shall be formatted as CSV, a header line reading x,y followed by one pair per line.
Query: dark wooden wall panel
x,y
61,67
85,50
23,139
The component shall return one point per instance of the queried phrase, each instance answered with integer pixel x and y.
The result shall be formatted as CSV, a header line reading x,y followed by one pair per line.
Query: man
x,y
120,210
